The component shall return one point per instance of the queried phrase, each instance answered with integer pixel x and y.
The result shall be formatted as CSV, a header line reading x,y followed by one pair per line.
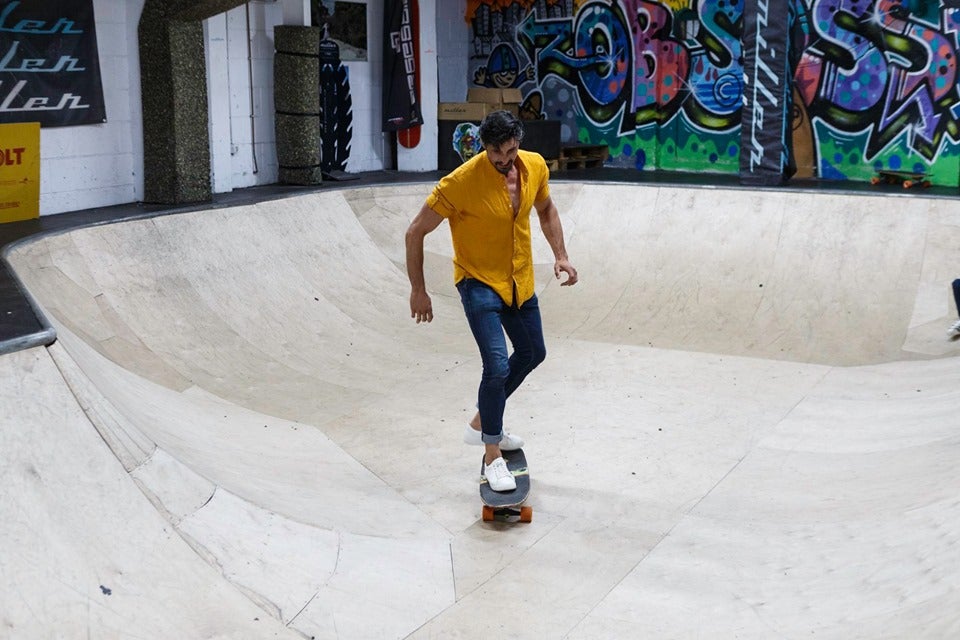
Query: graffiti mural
x,y
876,83
659,82
879,83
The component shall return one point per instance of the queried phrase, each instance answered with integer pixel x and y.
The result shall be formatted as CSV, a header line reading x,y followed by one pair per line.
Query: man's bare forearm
x,y
553,230
421,308
414,242
425,221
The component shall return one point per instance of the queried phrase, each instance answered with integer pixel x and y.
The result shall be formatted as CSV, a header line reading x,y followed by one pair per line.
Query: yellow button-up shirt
x,y
490,243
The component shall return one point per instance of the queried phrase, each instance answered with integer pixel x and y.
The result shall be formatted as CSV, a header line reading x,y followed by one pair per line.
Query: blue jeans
x,y
489,317
956,294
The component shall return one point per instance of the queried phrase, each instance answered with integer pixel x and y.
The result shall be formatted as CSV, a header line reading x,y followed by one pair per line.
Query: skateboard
x,y
508,504
410,137
907,178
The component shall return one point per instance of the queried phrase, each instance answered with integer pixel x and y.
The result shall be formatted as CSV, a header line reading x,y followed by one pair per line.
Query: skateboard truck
x,y
523,513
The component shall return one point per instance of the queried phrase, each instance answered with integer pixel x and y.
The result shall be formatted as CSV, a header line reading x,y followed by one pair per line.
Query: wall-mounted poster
x,y
19,171
346,24
49,65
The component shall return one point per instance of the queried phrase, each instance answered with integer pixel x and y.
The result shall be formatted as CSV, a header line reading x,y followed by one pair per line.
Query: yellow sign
x,y
19,171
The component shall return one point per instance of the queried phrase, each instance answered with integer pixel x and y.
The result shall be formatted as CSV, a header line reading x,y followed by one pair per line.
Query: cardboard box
x,y
464,111
484,95
511,96
469,111
494,96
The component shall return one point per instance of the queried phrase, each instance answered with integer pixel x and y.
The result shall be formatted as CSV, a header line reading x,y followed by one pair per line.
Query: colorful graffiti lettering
x,y
716,75
661,62
888,71
591,53
876,83
636,64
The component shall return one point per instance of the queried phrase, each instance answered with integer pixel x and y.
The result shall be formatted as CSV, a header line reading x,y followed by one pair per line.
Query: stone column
x,y
296,80
176,143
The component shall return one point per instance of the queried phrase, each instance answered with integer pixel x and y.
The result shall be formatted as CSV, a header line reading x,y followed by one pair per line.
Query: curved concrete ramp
x,y
746,426
85,555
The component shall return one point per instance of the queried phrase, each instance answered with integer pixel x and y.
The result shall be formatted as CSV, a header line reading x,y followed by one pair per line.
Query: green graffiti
x,y
842,157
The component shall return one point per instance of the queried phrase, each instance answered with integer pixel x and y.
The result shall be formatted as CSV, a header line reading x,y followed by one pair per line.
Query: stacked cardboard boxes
x,y
480,102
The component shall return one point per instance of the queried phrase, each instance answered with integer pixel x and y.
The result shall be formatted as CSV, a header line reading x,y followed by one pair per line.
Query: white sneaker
x,y
954,330
509,442
498,476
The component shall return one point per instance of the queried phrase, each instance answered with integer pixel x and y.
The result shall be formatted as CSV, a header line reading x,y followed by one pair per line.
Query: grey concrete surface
x,y
746,426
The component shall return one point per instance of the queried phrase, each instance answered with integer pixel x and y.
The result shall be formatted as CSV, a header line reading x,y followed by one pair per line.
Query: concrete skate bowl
x,y
746,426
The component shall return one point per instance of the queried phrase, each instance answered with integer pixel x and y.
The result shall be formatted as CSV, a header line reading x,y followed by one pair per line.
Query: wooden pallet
x,y
583,156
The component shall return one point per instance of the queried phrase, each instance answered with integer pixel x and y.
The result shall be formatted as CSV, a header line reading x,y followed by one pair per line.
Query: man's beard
x,y
504,170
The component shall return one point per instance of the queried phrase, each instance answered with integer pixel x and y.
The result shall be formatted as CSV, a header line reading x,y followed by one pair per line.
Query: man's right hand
x,y
421,307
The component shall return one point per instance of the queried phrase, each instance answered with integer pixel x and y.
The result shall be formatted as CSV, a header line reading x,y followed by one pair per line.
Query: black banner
x,y
765,152
336,109
49,65
401,106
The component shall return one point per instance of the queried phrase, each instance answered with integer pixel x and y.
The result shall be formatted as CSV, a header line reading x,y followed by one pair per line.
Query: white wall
x,y
101,165
98,165
453,50
370,149
218,104
242,136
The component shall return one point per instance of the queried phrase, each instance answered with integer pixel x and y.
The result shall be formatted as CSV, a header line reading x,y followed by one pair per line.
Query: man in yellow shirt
x,y
487,201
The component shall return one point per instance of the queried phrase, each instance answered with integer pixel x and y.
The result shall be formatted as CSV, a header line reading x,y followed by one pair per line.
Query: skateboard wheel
x,y
907,184
487,513
874,180
526,514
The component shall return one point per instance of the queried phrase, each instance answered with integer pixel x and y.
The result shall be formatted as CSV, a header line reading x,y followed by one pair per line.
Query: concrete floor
x,y
746,427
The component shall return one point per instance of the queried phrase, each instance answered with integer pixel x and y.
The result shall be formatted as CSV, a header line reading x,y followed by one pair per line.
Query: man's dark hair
x,y
499,127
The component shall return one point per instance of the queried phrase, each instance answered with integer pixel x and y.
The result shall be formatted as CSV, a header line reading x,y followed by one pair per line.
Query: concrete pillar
x,y
176,144
296,78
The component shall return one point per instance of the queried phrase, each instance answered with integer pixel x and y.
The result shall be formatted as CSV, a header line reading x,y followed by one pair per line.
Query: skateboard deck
x,y
410,137
906,178
507,504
